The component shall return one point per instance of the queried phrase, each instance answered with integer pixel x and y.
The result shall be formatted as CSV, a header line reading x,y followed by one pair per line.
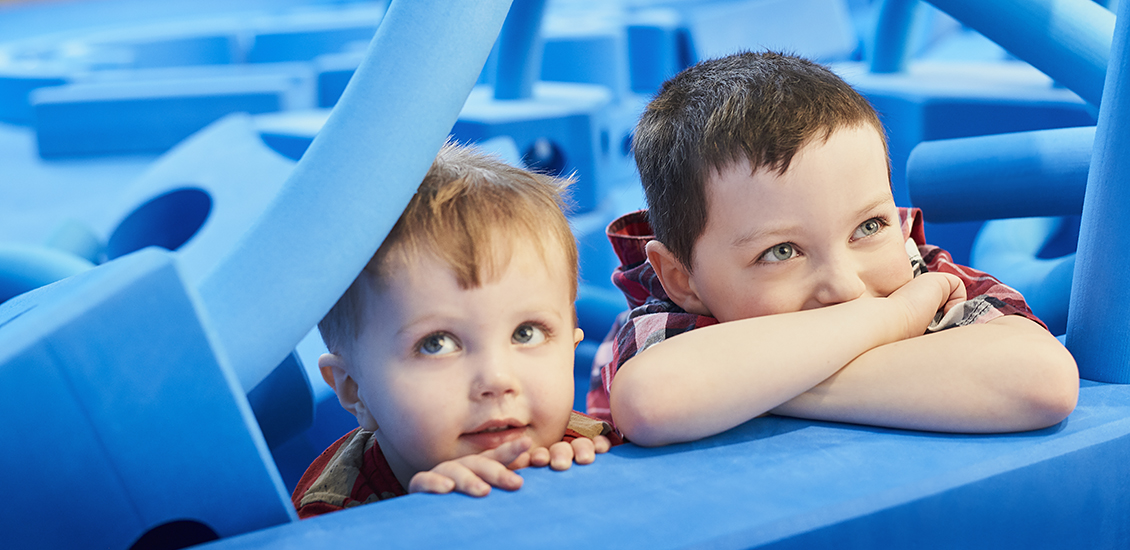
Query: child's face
x,y
445,372
826,231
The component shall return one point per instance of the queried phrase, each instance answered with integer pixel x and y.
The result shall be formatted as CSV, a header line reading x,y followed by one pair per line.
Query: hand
x,y
561,455
474,475
924,295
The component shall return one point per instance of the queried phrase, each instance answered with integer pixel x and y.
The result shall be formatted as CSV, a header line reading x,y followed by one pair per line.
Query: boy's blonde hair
x,y
466,212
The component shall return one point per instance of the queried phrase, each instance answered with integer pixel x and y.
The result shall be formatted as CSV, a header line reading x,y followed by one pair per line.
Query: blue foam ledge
x,y
786,483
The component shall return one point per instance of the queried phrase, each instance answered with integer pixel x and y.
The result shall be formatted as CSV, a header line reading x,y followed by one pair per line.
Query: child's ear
x,y
675,278
578,335
337,376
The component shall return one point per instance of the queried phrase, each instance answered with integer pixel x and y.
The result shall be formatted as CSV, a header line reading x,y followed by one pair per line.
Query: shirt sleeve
x,y
987,297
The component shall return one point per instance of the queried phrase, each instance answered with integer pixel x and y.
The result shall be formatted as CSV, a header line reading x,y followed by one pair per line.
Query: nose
x,y
838,281
494,377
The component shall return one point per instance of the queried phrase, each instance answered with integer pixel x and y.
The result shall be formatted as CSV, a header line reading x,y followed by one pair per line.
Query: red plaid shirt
x,y
653,318
353,471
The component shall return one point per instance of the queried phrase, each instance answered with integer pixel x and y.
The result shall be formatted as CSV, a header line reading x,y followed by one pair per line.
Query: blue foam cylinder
x,y
352,183
519,50
892,31
1069,40
1022,174
1096,322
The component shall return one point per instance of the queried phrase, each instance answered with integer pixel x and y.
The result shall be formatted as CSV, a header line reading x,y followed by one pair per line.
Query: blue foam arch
x,y
1069,40
323,226
1096,333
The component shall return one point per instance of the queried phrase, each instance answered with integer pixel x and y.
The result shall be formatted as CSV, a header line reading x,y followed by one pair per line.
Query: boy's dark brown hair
x,y
469,212
761,106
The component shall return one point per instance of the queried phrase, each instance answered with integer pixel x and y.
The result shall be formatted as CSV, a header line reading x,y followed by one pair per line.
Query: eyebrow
x,y
767,234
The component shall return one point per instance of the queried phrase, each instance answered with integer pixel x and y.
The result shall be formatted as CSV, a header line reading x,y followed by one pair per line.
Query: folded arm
x,y
1005,375
711,379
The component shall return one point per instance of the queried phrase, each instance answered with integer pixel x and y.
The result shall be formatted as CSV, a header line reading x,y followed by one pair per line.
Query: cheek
x,y
891,274
549,391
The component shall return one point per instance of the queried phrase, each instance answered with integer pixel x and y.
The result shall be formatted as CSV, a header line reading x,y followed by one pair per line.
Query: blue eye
x,y
868,228
528,335
438,343
779,253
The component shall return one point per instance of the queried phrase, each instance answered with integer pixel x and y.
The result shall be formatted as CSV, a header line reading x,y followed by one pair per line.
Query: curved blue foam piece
x,y
28,267
351,185
1010,249
892,32
79,239
1022,174
1069,40
519,50
784,483
1096,323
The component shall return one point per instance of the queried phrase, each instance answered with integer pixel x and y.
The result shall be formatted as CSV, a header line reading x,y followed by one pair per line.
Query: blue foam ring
x,y
1021,174
1069,40
1096,323
519,50
892,34
28,267
352,183
1009,249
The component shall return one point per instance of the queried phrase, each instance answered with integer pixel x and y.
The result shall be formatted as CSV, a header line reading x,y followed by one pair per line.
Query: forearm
x,y
712,379
1005,375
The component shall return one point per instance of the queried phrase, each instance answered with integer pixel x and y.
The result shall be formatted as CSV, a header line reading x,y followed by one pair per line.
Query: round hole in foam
x,y
167,221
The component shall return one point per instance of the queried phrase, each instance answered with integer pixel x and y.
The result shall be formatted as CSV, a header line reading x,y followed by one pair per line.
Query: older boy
x,y
454,346
793,282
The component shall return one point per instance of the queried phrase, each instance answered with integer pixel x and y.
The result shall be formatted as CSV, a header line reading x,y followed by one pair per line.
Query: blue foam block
x,y
118,404
569,119
17,84
306,44
659,46
205,192
150,116
784,483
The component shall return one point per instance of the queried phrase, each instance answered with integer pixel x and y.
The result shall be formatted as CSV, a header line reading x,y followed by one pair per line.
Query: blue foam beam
x,y
1096,322
351,185
1069,40
1023,174
892,34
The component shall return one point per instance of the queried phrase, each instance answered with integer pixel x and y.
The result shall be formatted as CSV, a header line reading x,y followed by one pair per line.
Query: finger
x,y
522,461
601,444
584,452
539,457
510,451
491,472
430,482
465,480
561,455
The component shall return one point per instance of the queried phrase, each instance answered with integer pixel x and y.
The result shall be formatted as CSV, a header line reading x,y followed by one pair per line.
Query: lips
x,y
493,433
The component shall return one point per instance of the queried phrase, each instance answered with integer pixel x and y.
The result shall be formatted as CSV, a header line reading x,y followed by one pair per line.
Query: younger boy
x,y
794,284
454,346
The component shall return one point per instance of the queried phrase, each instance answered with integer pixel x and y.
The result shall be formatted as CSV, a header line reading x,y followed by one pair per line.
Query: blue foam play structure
x,y
153,370
170,394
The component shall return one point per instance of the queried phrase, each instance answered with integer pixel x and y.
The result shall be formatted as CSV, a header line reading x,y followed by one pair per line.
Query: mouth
x,y
493,433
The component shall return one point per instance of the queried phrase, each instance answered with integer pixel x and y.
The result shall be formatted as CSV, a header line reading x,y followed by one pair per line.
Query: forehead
x,y
828,182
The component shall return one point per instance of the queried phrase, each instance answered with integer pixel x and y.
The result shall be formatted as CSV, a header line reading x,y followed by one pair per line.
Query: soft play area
x,y
186,188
